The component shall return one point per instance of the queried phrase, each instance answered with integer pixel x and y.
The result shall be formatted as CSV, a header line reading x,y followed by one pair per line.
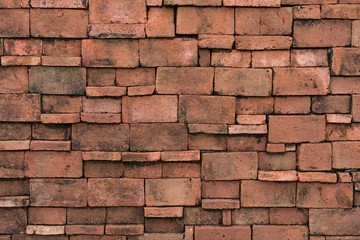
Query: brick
x,y
172,192
306,12
13,220
341,132
129,229
220,203
14,145
331,104
277,195
18,201
158,137
199,216
181,169
25,107
53,164
45,230
61,104
321,195
110,53
103,169
22,47
305,81
61,61
14,187
321,33
105,91
344,61
226,217
213,232
247,129
58,192
216,41
189,233
314,157
195,20
124,215
346,155
50,145
95,237
163,225
158,236
101,105
253,3
244,82
193,2
140,90
290,147
170,52
161,212
180,156
233,58
189,80
114,137
60,118
113,11
297,216
278,176
343,11
309,58
13,80
208,128
246,143
57,23
135,77
121,30
66,80
263,21
106,156
294,129
280,232
334,221
12,164
160,22
317,177
14,4
100,118
140,156
59,4
229,166
262,42
356,108
14,23
270,59
150,109
62,47
220,189
344,177
355,177
355,35
275,147
299,2
292,105
84,229
47,216
207,142
247,216
255,105
100,77
20,61
204,57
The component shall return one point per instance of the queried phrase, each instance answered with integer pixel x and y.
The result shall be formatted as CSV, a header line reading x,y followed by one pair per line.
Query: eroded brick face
x,y
179,119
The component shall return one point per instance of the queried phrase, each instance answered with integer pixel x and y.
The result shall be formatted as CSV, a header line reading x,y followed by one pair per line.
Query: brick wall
x,y
180,119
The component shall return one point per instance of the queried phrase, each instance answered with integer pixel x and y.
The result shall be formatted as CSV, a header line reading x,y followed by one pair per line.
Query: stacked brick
x,y
179,119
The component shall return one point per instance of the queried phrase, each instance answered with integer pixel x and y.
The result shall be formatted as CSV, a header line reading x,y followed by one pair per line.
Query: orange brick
x,y
45,230
62,47
309,58
278,176
253,3
181,169
140,90
103,169
355,40
14,4
121,30
262,42
124,215
155,225
47,215
251,119
215,41
204,57
160,22
344,61
300,2
343,11
100,77
314,157
50,132
247,129
255,105
50,145
213,232
277,161
86,215
292,105
199,216
220,189
135,77
12,164
59,4
84,229
317,177
22,47
356,108
307,12
208,128
157,212
25,107
140,156
246,143
61,61
61,104
20,61
60,118
331,104
106,156
13,80
342,132
270,59
247,216
275,147
231,58
193,2
105,91
297,216
180,156
344,177
143,171
100,118
226,217
220,203
280,232
129,229
14,23
101,105
14,145
346,155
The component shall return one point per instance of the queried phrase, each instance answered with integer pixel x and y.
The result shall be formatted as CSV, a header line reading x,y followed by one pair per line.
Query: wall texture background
x,y
180,119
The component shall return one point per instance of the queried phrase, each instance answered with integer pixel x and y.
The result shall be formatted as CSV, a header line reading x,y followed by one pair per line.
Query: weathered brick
x,y
309,58
220,204
105,91
103,169
50,145
140,90
173,192
206,109
343,11
247,129
331,104
262,42
270,59
300,2
255,105
342,132
207,142
84,229
44,230
220,189
345,61
14,23
14,4
60,118
213,232
15,131
346,155
163,225
356,108
355,40
231,58
12,164
306,12
121,30
22,47
61,104
114,137
193,2
129,229
100,77
247,216
297,216
246,143
323,177
253,3
280,232
62,47
294,129
86,215
160,212
292,105
20,61
47,215
14,187
208,128
115,192
13,220
106,156
204,57
101,105
180,156
59,4
147,170
123,215
314,157
199,216
20,107
60,61
135,77
215,41
275,147
278,176
160,22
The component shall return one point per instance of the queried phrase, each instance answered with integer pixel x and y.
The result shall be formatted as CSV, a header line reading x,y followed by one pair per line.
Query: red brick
x,y
13,220
231,58
280,232
180,156
323,177
164,225
355,40
331,104
300,2
45,230
103,169
229,166
195,20
140,156
231,233
294,129
278,176
344,61
95,237
60,118
270,59
297,216
140,90
84,229
14,145
292,105
124,215
306,12
189,233
22,47
47,215
55,23
189,80
17,201
356,108
304,81
61,61
160,22
173,192
14,23
50,145
226,217
334,222
247,129
61,104
204,57
246,143
199,216
58,192
100,118
110,53
343,11
309,58
321,33
14,187
101,105
100,77
14,4
262,42
106,156
275,147
244,82
20,61
162,212
121,30
220,189
263,21
220,203
113,11
344,177
105,91
181,169
158,137
215,41
129,229
207,142
135,77
277,195
59,4
322,195
118,192
170,52
20,107
208,128
346,155
253,3
114,137
15,131
62,47
158,236
193,2
255,105
314,157
150,109
12,164
247,216
342,132
338,118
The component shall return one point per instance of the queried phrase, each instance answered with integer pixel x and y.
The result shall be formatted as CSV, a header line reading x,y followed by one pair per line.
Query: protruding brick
x,y
105,91
140,90
314,157
14,145
275,147
193,2
344,177
247,129
106,156
160,22
60,118
289,216
140,156
220,203
161,212
50,145
213,232
14,4
262,59
24,107
61,61
20,61
61,104
208,128
45,230
343,11
16,201
317,177
59,4
14,23
280,232
180,156
216,41
278,176
262,42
